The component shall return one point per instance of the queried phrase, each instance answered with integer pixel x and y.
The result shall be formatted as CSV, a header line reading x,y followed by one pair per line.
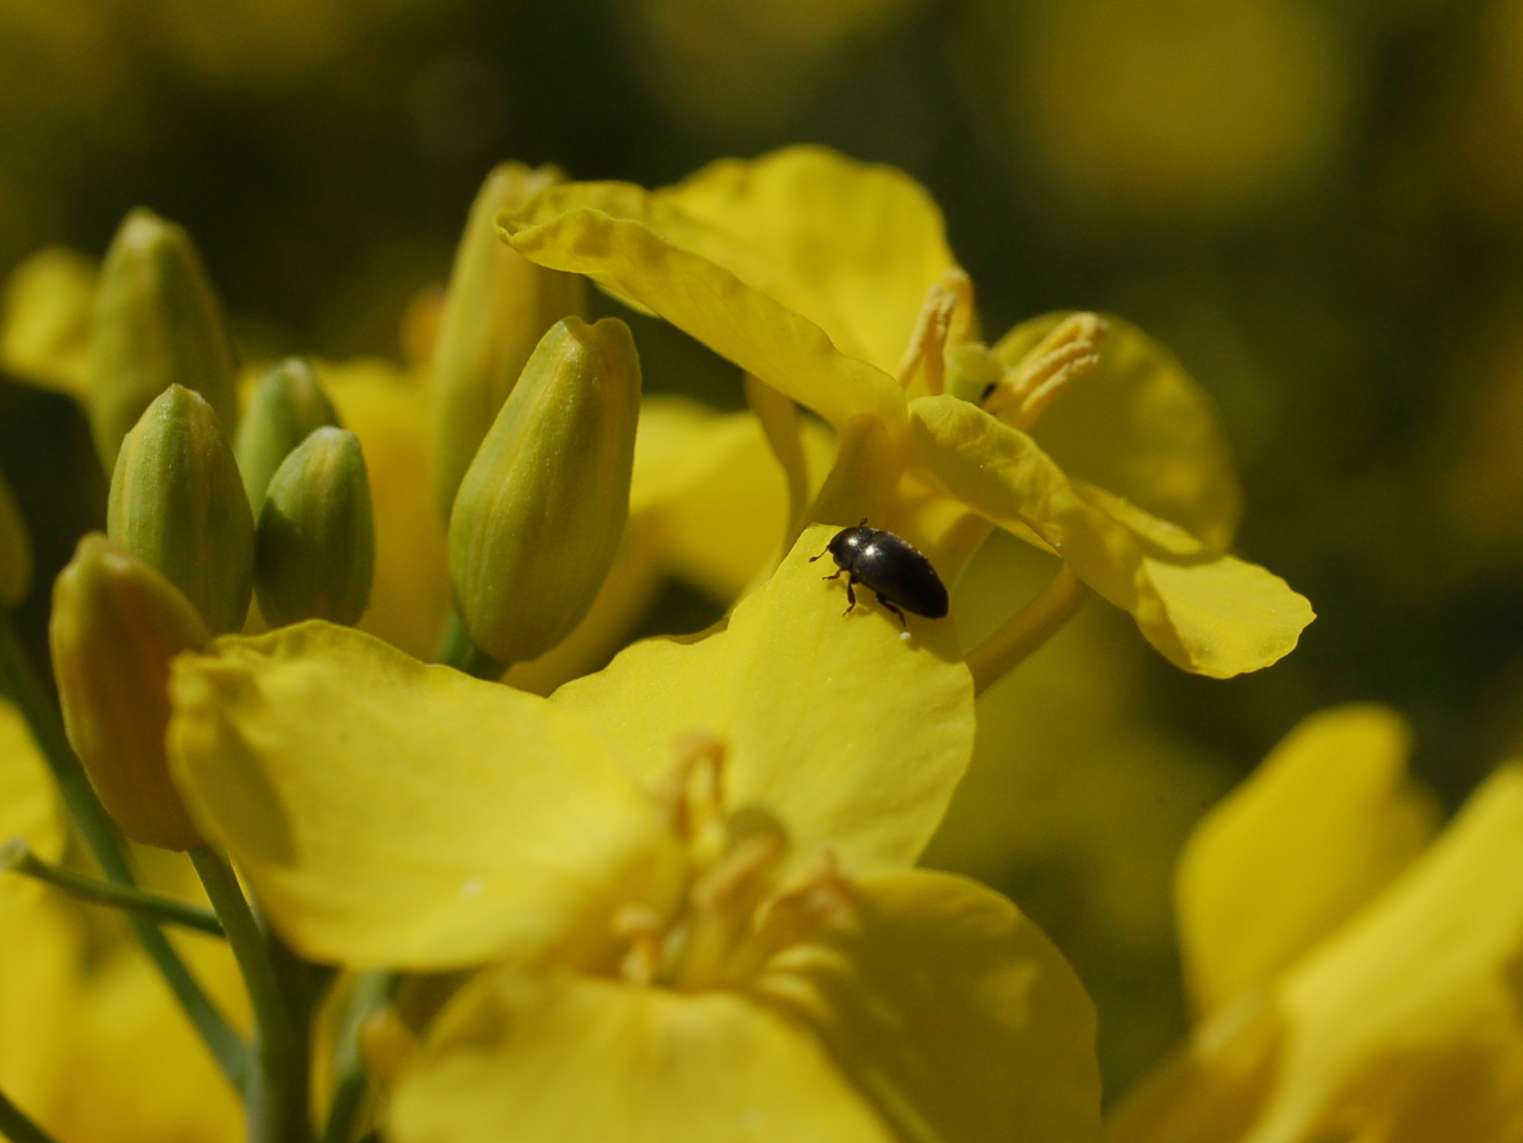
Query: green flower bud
x,y
287,405
157,323
315,550
15,549
115,627
542,507
498,306
177,503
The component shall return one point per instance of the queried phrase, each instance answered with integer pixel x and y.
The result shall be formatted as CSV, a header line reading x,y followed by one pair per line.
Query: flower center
x,y
1067,353
749,894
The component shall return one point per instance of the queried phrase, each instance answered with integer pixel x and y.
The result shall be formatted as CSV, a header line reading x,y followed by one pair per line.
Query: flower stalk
x,y
17,858
1027,630
276,1092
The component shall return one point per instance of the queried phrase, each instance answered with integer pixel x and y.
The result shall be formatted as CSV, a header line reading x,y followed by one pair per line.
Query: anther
x,y
1070,351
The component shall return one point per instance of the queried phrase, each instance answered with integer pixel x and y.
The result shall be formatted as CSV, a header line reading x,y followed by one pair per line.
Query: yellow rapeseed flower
x,y
691,873
831,282
1353,979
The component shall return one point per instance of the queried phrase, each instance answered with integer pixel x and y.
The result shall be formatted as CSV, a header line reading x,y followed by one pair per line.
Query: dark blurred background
x,y
1317,205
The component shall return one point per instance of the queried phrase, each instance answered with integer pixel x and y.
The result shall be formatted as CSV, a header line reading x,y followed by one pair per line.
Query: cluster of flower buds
x,y
535,432
185,550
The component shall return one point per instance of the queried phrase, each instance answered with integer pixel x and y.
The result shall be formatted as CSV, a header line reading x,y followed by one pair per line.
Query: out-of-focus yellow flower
x,y
1181,108
45,319
740,907
832,283
1351,982
89,1031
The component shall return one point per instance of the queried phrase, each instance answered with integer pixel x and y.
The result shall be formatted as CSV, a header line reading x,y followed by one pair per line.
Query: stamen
x,y
950,296
640,926
692,796
1070,351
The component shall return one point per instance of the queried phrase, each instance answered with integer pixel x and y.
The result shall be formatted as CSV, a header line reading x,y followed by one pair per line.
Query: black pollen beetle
x,y
893,568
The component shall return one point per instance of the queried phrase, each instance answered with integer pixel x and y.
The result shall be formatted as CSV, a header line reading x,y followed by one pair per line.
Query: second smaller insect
x,y
891,567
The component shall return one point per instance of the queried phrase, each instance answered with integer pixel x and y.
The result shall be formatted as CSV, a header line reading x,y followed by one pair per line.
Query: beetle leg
x,y
837,575
894,607
851,596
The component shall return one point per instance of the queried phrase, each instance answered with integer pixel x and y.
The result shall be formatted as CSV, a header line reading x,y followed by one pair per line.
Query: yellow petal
x,y
1218,617
1404,1026
391,814
1139,428
40,960
1418,995
29,804
710,283
129,1034
953,1013
1327,821
853,247
388,411
852,735
711,493
581,1060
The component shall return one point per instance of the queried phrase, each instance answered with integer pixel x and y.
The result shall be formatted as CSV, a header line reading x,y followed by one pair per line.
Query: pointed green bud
x,y
116,625
315,550
15,549
542,508
287,405
498,306
157,323
177,503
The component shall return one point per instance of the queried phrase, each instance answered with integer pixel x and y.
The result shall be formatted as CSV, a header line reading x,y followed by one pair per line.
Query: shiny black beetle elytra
x,y
891,567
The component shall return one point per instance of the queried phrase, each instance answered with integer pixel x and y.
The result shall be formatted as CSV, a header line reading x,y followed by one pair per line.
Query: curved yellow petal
x,y
390,814
582,1060
1217,617
1141,429
853,736
711,284
388,411
29,805
852,246
951,1012
1327,821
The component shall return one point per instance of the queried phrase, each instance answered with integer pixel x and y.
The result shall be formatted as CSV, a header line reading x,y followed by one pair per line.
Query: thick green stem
x,y
1026,630
372,990
19,1127
19,680
277,1087
16,858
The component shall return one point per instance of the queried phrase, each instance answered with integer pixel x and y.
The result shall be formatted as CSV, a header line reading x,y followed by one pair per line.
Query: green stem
x,y
277,1088
1026,630
371,991
19,680
456,650
17,1126
16,858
